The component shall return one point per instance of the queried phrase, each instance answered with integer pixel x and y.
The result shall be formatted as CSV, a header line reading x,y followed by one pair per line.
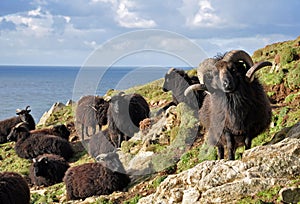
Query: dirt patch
x,y
278,93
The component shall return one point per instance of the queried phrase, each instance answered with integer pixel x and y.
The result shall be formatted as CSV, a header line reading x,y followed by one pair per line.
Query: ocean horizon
x,y
42,86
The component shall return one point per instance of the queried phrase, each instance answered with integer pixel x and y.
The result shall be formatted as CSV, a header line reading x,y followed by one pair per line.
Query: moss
x,y
133,200
53,194
288,55
266,196
10,160
291,97
195,156
63,116
293,77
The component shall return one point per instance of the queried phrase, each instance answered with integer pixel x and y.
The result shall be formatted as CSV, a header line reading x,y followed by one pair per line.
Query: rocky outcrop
x,y
54,108
228,181
291,132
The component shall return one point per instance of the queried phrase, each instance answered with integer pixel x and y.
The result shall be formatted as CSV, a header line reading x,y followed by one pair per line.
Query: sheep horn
x,y
236,55
195,87
254,68
171,70
93,107
27,108
20,124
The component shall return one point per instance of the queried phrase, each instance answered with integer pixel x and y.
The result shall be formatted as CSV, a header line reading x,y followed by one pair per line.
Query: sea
x,y
41,86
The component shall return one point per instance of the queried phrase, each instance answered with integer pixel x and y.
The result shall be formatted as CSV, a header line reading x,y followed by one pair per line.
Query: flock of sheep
x,y
230,101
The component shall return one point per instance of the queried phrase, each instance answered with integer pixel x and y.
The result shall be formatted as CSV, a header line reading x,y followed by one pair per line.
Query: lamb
x,y
8,124
30,146
91,179
236,109
47,170
124,114
57,130
178,81
13,189
91,112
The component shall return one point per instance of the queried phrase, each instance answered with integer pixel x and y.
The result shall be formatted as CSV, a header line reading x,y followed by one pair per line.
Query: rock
x,y
70,103
228,181
294,131
54,108
290,195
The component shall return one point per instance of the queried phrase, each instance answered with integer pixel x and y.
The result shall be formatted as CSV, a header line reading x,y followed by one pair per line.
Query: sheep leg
x,y
230,146
82,132
221,152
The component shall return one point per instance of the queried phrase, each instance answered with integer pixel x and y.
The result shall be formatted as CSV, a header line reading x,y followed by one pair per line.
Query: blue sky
x,y
66,32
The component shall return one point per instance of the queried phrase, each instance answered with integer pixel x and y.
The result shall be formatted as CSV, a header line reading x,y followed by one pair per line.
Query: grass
x,y
285,115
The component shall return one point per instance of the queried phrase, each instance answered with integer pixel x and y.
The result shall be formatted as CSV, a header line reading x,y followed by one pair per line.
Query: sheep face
x,y
18,132
225,76
171,78
40,166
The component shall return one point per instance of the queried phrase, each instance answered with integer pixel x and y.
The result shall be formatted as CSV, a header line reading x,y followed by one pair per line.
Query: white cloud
x,y
129,19
200,13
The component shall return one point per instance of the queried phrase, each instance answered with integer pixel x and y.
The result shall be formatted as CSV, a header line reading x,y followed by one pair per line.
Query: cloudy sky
x,y
66,32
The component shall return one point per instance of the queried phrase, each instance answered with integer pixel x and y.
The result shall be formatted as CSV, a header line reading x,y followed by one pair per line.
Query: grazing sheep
x,y
91,112
124,114
93,179
8,124
237,108
178,81
13,189
100,143
47,170
30,146
57,130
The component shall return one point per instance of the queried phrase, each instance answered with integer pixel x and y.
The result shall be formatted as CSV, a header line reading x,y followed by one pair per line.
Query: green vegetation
x,y
267,196
9,161
282,87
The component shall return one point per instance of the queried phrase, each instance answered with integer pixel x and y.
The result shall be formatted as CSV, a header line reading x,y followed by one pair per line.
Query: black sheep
x,y
13,189
92,179
57,130
177,81
47,170
124,114
91,112
30,146
237,108
100,143
8,124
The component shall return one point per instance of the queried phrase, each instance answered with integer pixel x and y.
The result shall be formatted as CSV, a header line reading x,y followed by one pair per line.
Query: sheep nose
x,y
228,85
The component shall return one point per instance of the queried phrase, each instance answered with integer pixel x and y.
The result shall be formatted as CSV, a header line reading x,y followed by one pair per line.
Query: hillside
x,y
282,86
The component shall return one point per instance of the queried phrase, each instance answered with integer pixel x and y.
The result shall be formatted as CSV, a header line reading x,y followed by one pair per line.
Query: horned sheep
x,y
236,109
57,130
47,170
177,81
91,112
101,178
8,124
30,146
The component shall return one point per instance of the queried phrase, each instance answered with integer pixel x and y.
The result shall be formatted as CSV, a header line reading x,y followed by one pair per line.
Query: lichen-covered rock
x,y
228,181
290,195
54,108
292,132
